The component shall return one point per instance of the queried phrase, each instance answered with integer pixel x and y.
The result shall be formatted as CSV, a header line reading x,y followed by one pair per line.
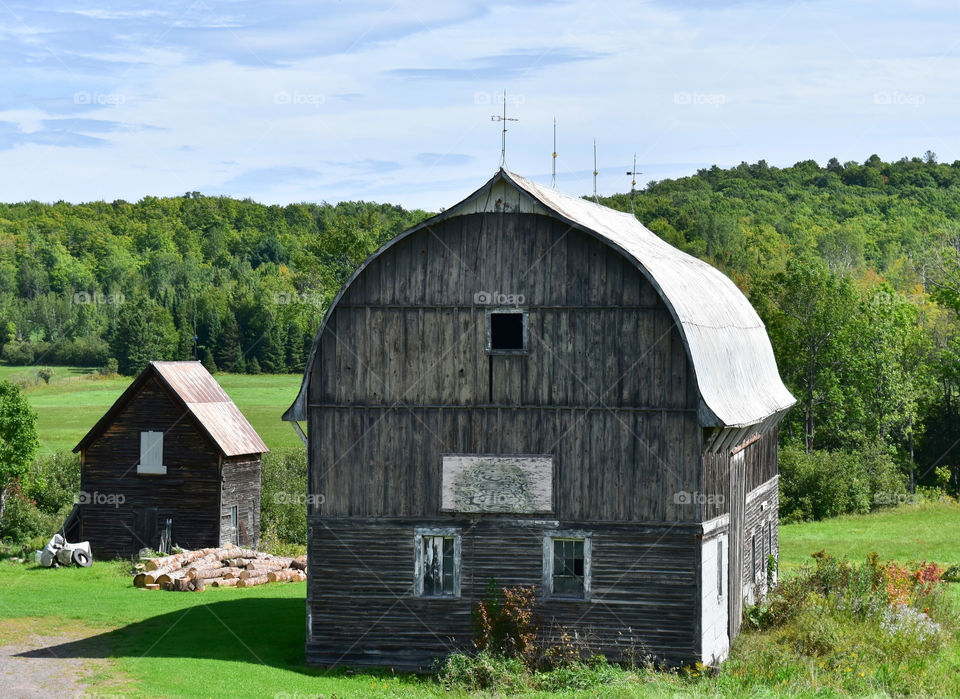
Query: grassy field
x,y
229,642
72,403
933,534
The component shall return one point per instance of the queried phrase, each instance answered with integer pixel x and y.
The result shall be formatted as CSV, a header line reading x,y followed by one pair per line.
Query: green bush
x,y
825,484
80,351
483,671
18,353
23,521
53,482
283,496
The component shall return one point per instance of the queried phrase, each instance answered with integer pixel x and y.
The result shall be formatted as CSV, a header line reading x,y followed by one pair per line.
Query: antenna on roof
x,y
633,182
503,135
553,179
595,171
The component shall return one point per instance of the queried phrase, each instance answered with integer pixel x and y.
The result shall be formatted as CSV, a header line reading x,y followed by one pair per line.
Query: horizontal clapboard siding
x,y
644,590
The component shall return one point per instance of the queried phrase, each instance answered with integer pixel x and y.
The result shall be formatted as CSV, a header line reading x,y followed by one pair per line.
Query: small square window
x,y
567,566
437,563
507,332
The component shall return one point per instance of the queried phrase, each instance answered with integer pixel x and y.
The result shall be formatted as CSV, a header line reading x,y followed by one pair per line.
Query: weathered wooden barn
x,y
536,389
174,461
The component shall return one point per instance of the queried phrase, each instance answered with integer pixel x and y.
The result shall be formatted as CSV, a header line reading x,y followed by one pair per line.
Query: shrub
x,y
18,353
486,671
23,521
504,623
836,609
110,368
825,484
89,350
53,482
283,496
482,671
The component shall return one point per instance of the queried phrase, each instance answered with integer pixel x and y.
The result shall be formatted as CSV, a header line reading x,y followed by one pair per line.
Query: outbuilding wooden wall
x,y
188,493
241,487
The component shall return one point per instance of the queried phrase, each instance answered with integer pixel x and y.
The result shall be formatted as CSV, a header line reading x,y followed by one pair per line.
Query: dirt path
x,y
30,667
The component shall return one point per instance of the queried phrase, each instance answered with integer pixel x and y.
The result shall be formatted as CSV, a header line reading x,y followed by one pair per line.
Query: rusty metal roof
x,y
726,341
199,393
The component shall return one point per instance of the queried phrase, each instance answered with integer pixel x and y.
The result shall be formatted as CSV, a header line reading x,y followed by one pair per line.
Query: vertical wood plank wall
x,y
241,487
402,376
188,493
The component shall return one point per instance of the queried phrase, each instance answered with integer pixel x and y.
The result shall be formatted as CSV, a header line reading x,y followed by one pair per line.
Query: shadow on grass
x,y
261,631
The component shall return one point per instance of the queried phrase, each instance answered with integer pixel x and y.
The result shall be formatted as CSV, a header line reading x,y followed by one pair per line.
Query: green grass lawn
x,y
909,533
71,403
222,642
230,642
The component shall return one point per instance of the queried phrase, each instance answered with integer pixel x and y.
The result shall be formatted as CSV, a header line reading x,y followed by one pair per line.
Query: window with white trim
x,y
566,565
151,453
436,562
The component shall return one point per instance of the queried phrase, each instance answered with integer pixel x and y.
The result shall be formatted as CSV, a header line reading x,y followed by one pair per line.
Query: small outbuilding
x,y
173,461
535,389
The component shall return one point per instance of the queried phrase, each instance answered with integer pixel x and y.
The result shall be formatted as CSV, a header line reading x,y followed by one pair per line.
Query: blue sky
x,y
391,101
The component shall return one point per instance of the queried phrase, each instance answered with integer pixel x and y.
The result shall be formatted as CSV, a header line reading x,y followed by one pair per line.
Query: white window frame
x,y
151,453
418,563
569,535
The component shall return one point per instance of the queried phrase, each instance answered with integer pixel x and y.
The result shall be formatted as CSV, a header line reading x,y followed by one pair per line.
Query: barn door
x,y
735,563
145,528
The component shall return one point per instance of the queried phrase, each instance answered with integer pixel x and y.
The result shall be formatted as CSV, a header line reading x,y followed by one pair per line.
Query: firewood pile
x,y
192,571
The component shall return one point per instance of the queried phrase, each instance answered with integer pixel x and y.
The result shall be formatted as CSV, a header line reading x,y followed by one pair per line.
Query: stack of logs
x,y
221,567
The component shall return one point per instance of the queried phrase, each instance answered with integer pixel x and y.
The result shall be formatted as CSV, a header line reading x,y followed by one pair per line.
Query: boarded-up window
x,y
151,453
437,563
567,565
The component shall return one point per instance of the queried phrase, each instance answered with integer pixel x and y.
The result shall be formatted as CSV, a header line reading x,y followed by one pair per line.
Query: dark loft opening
x,y
506,331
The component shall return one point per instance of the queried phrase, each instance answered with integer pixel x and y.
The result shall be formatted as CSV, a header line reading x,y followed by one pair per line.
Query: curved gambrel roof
x,y
727,343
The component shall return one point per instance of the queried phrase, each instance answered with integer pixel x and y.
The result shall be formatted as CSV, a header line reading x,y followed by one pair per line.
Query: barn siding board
x,y
761,508
607,388
644,589
189,493
241,487
402,436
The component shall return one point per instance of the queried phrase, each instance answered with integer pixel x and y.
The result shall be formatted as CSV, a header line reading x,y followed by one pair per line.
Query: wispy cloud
x,y
507,66
392,100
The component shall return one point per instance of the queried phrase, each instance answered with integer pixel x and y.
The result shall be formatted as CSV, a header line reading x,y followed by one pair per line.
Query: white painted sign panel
x,y
492,484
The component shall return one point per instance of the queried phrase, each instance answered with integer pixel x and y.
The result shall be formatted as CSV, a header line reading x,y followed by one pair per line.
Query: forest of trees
x,y
854,267
239,285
